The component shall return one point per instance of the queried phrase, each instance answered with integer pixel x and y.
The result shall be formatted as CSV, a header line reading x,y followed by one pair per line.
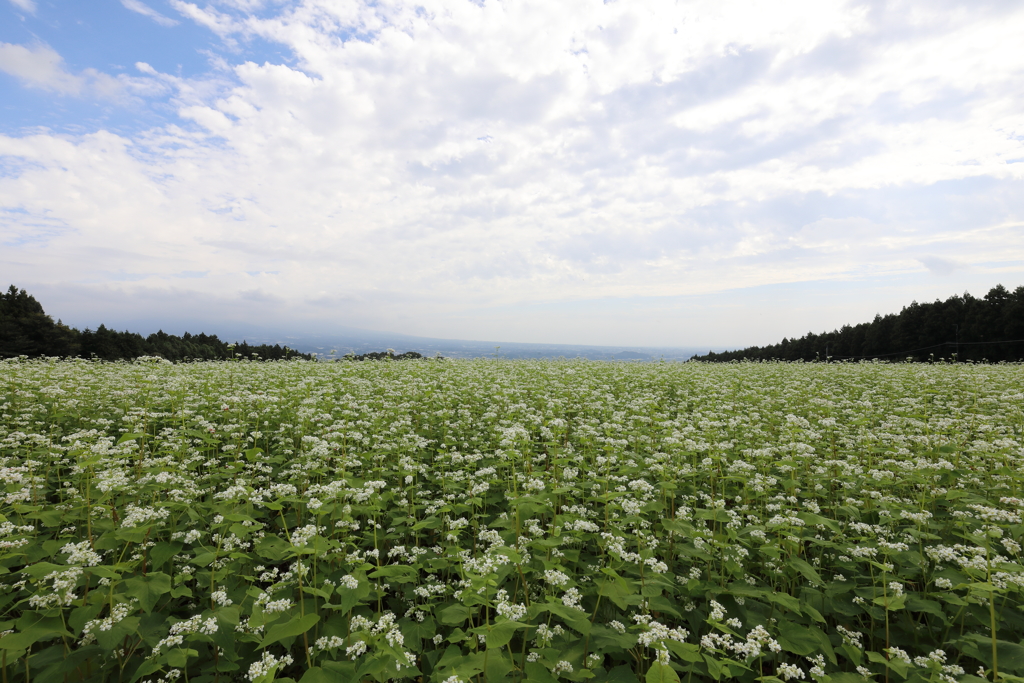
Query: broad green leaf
x,y
715,668
892,602
785,600
399,573
294,627
797,638
316,675
161,552
537,673
688,652
616,590
661,673
809,572
204,559
845,677
148,589
1011,655
916,604
272,548
500,633
454,614
133,534
497,666
621,674
40,570
21,640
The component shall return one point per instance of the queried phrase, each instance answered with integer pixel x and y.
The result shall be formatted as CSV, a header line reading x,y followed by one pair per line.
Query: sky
x,y
705,172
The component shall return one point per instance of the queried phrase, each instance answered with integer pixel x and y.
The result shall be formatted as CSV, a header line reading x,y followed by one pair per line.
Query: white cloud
x,y
39,66
412,162
145,10
25,5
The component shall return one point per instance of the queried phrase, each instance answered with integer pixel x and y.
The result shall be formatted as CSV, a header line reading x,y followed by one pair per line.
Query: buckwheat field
x,y
468,521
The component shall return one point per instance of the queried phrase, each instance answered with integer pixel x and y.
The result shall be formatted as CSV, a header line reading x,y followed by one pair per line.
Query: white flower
x,y
562,667
790,671
221,598
267,665
356,649
281,605
555,577
82,554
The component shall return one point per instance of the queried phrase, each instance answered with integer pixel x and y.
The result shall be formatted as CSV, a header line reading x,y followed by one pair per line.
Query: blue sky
x,y
662,173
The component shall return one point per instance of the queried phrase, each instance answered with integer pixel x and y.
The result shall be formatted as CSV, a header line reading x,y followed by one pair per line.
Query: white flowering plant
x,y
516,521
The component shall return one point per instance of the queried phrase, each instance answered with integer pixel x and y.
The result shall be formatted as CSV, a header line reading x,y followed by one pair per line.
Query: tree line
x,y
26,330
961,328
383,355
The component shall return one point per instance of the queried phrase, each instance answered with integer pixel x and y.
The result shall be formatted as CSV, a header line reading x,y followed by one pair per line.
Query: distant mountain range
x,y
363,342
26,329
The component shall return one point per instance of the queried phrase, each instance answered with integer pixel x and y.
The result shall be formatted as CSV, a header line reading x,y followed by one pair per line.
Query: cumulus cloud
x,y
39,66
411,161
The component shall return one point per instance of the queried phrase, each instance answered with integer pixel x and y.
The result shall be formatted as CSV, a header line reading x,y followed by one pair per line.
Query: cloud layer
x,y
408,164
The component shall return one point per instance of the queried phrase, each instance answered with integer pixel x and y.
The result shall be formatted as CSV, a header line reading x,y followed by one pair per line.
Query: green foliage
x,y
26,330
961,327
510,521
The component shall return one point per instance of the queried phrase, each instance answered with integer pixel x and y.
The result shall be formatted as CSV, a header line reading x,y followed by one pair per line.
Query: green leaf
x,y
621,674
133,534
178,657
80,616
272,547
797,638
148,589
499,634
537,673
824,643
498,666
1011,655
661,673
147,667
715,668
812,612
897,665
892,602
688,652
22,640
428,523
785,600
574,618
295,627
809,572
660,603
161,552
916,604
350,597
42,569
182,591
616,590
454,614
204,559
316,675
399,573
845,677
